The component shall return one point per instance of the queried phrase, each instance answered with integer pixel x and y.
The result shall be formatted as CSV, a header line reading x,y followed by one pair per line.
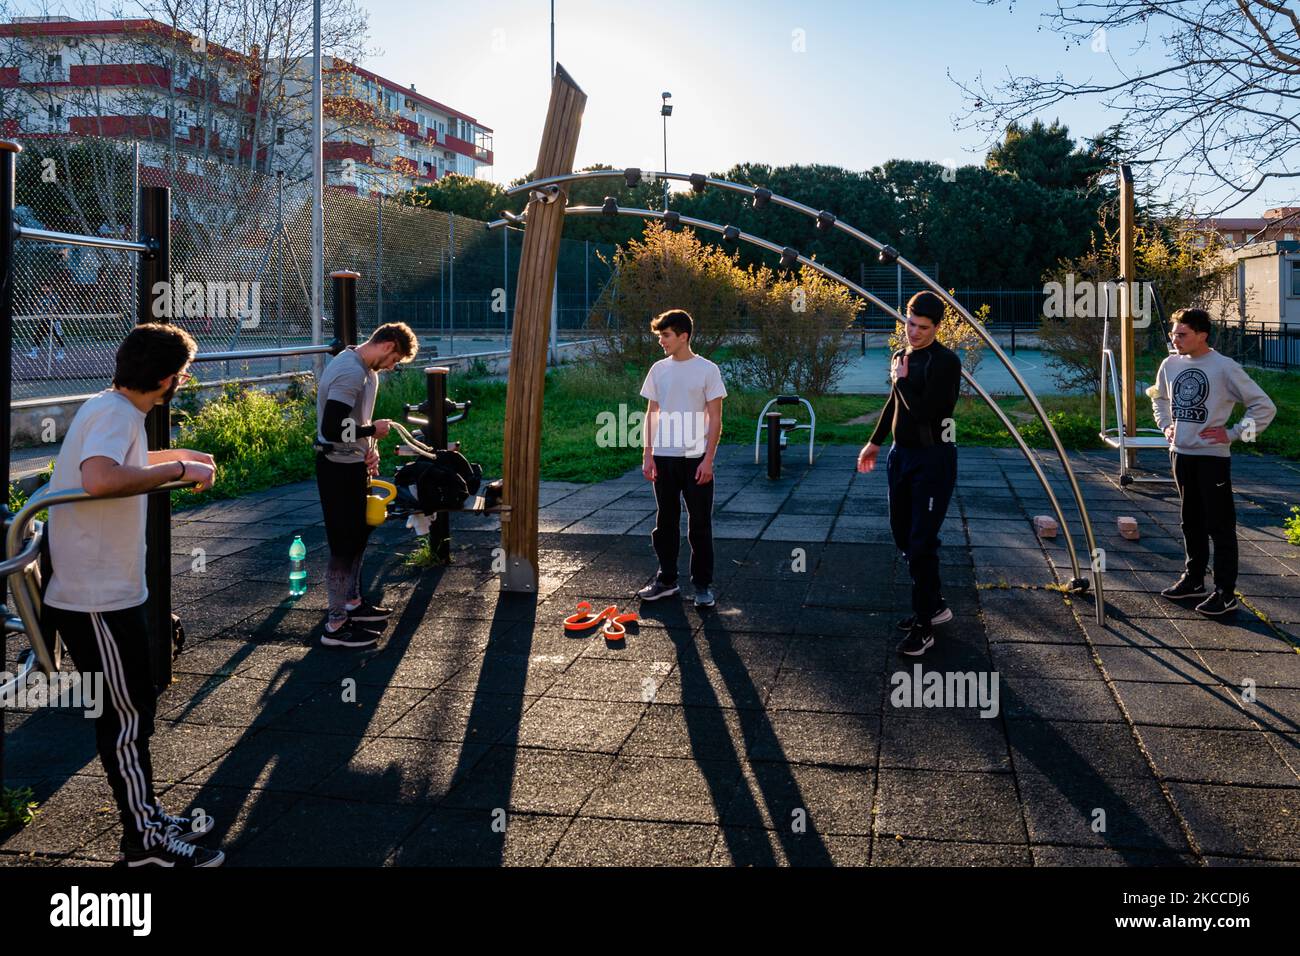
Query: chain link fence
x,y
241,266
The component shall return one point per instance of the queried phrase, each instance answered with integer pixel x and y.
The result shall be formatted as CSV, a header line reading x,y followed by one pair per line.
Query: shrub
x,y
664,270
1182,274
1291,526
796,337
17,808
257,441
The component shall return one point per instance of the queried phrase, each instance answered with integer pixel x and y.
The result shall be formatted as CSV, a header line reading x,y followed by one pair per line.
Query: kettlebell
x,y
377,507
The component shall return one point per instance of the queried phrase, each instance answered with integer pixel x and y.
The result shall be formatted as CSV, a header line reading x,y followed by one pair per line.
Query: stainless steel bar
x,y
262,353
1033,463
19,679
76,239
14,537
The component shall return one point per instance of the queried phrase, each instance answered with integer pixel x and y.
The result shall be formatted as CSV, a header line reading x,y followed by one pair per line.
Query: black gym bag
x,y
441,482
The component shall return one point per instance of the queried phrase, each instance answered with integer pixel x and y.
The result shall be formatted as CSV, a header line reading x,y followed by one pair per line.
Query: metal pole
x,y
345,308
379,262
773,444
317,189
552,73
8,161
435,436
279,271
505,286
155,267
451,279
665,115
1128,282
586,279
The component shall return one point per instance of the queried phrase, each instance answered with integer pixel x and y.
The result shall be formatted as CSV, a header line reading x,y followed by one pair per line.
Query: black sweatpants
x,y
343,489
675,480
1208,512
116,644
921,481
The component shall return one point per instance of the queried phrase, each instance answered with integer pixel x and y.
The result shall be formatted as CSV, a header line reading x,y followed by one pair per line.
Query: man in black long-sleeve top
x,y
922,462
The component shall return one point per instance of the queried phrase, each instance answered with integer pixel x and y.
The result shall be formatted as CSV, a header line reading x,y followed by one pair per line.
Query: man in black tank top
x,y
922,462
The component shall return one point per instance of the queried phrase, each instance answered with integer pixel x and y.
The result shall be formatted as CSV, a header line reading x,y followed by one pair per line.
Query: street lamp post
x,y
666,111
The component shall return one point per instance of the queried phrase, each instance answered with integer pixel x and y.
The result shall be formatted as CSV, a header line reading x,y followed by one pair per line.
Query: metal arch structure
x,y
546,187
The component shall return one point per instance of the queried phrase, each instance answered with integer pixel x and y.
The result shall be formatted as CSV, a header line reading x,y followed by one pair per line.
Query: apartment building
x,y
379,134
181,96
1276,225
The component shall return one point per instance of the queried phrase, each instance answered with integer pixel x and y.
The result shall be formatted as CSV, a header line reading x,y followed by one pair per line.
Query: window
x,y
279,136
55,112
54,61
1295,278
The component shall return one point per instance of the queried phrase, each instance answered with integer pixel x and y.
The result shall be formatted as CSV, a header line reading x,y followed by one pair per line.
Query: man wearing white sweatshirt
x,y
1194,394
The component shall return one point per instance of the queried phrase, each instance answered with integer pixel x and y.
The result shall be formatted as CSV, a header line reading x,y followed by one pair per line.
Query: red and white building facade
x,y
378,132
142,80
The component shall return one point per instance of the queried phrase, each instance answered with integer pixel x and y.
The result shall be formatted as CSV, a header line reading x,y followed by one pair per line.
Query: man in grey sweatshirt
x,y
1194,393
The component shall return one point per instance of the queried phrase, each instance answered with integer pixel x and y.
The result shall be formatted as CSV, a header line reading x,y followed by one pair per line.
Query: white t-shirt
x,y
683,391
97,547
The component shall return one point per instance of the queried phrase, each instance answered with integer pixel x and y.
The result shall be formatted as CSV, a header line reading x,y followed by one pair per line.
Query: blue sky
x,y
871,86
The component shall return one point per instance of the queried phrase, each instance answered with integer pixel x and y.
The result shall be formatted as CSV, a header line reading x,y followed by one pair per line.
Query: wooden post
x,y
527,377
1128,283
155,268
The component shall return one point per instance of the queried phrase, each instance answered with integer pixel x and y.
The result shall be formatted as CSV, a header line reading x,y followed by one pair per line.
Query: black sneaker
x,y
367,612
704,597
1220,602
349,635
654,591
919,640
1186,588
172,851
188,828
942,616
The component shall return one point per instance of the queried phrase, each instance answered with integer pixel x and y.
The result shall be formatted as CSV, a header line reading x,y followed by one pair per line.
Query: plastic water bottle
x,y
297,568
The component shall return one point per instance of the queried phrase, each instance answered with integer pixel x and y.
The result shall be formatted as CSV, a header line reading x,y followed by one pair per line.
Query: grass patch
x,y
260,440
257,440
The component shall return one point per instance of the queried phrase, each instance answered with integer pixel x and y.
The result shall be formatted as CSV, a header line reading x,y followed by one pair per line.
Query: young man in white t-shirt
x,y
682,426
95,599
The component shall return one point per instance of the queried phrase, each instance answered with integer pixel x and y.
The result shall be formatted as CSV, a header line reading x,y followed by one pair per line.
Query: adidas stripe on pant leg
x,y
116,644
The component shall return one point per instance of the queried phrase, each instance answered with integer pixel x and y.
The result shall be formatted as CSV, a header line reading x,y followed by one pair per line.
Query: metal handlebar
x,y
23,553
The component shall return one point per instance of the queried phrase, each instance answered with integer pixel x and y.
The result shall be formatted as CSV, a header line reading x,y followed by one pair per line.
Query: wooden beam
x,y
527,377
1128,278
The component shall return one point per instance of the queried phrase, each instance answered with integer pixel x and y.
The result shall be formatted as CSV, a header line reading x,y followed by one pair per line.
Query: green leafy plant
x,y
258,442
1291,526
423,556
17,808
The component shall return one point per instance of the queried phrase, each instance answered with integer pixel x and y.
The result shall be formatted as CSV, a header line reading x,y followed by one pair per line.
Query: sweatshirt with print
x,y
1194,394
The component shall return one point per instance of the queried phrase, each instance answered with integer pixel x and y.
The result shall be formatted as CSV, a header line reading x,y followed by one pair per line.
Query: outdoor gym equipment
x,y
1126,435
761,198
778,430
